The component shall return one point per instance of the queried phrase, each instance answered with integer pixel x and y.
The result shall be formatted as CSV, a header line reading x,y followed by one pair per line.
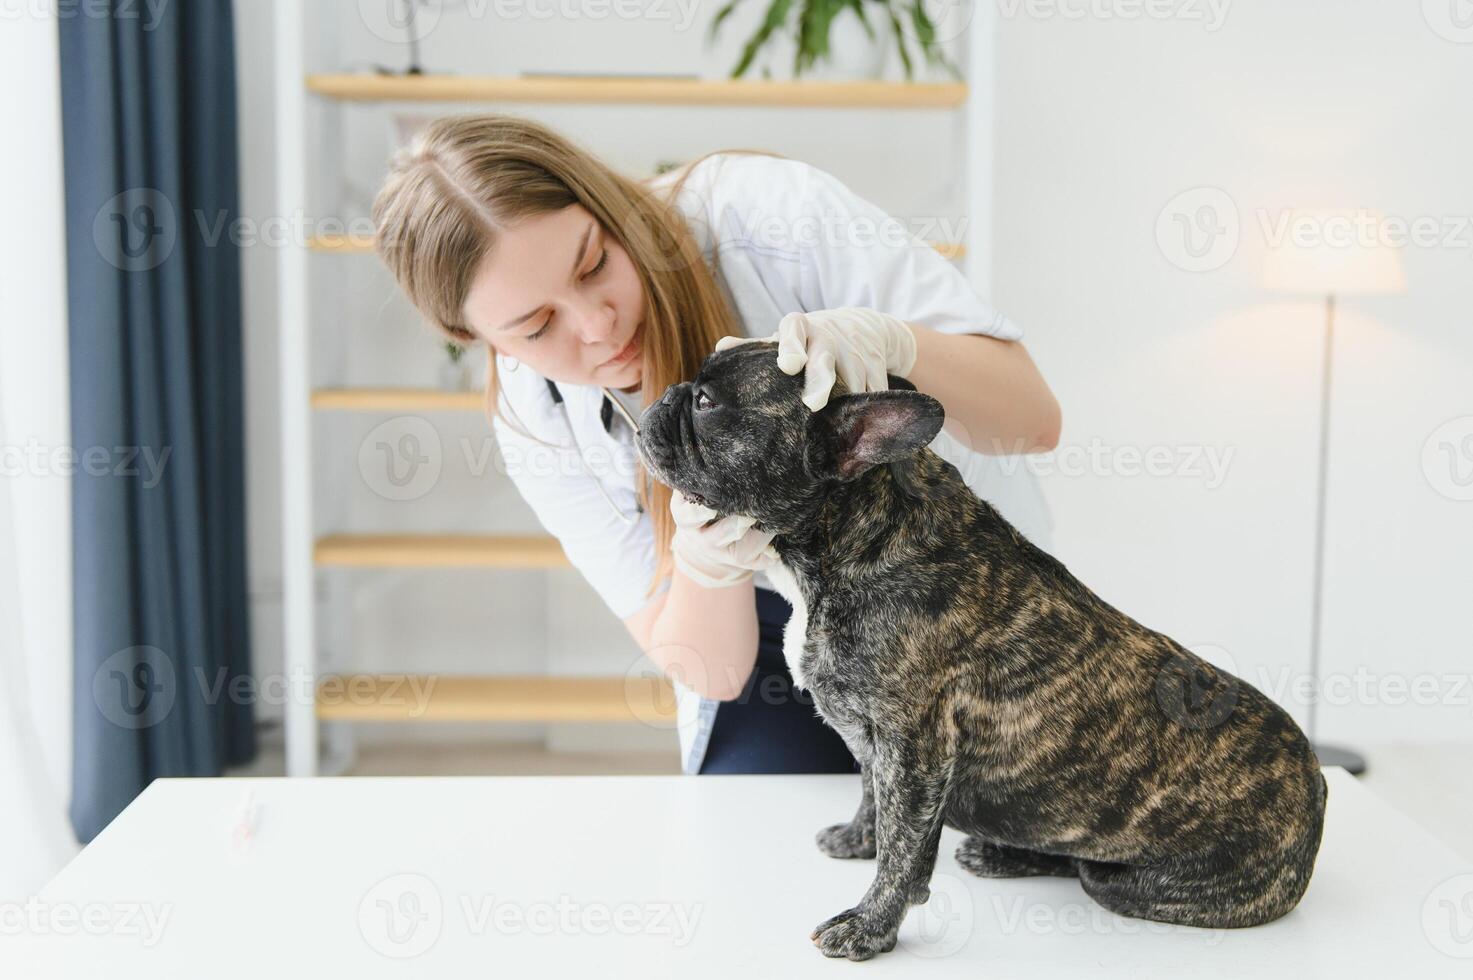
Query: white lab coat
x,y
781,236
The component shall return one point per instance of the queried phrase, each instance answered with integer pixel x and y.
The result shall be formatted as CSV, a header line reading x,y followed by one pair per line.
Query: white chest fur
x,y
795,632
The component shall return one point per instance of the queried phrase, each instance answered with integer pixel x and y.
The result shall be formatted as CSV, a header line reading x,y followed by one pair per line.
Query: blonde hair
x,y
466,178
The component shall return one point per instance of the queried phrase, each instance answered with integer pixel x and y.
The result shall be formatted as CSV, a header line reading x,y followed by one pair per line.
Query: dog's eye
x,y
703,401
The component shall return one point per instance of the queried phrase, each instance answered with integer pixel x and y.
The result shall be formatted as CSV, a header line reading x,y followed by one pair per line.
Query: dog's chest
x,y
815,665
795,633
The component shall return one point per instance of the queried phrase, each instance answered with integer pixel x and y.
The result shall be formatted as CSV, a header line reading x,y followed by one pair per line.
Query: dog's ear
x,y
876,427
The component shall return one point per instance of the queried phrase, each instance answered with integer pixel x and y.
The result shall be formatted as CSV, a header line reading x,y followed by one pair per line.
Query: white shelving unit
x,y
305,552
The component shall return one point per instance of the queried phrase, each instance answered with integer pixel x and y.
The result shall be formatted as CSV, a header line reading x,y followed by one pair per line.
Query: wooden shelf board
x,y
639,91
358,245
439,551
439,697
343,244
397,400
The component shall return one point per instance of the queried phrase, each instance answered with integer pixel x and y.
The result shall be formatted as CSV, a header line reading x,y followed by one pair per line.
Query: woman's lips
x,y
627,352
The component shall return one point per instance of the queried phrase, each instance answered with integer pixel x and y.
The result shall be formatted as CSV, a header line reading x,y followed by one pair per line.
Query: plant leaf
x,y
899,41
858,7
925,30
721,16
777,14
813,32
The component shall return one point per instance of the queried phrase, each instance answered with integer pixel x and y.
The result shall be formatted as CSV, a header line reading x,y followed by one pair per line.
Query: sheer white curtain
x,y
35,539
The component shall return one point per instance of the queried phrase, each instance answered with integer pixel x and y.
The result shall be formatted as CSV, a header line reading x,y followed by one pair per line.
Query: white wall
x,y
1104,121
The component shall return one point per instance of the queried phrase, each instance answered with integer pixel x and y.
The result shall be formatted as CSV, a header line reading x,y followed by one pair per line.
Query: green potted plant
x,y
807,24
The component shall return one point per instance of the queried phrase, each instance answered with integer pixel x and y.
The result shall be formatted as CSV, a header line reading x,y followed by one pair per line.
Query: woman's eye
x,y
602,261
703,401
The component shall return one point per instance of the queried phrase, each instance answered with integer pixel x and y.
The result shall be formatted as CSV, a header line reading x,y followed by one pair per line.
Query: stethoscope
x,y
634,426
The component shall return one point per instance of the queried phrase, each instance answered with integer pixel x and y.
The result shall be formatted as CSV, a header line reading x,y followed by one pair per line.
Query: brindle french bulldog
x,y
979,683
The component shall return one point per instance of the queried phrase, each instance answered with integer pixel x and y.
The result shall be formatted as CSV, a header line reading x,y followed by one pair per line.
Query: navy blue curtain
x,y
162,643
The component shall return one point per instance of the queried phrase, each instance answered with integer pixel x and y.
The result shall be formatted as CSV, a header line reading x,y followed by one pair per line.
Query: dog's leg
x,y
988,860
855,839
911,782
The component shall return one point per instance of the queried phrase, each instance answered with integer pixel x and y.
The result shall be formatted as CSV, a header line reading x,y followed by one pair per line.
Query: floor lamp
x,y
1329,254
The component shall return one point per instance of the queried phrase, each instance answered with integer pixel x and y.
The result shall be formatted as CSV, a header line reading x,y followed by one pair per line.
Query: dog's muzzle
x,y
665,431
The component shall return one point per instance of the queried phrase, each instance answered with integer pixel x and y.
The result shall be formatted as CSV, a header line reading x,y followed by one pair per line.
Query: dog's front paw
x,y
846,840
855,933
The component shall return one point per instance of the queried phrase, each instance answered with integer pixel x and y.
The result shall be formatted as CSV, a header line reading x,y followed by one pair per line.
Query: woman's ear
x,y
876,427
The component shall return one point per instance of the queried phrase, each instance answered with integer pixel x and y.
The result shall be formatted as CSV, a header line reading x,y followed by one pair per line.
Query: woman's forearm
x,y
995,399
705,638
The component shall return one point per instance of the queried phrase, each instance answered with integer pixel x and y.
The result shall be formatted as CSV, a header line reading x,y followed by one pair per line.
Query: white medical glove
x,y
725,553
861,344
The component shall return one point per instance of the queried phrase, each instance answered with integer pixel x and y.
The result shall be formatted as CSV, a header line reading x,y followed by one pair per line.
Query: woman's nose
x,y
597,324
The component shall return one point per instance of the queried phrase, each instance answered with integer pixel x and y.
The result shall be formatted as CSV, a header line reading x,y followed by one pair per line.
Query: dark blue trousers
x,y
770,727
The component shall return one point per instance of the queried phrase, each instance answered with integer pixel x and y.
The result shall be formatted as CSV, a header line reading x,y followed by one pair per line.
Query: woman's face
x,y
560,294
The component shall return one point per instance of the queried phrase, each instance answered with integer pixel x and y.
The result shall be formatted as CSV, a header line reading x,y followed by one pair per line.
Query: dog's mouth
x,y
667,442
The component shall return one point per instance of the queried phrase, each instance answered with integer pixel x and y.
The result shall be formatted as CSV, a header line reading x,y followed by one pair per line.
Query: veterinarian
x,y
592,293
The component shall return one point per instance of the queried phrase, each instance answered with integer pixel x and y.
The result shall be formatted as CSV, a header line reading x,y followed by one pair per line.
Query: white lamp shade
x,y
1339,253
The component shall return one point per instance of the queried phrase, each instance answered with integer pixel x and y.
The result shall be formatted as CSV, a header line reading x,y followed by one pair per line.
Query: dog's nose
x,y
671,394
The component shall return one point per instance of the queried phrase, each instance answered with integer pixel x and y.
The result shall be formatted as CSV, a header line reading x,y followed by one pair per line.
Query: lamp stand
x,y
1329,755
